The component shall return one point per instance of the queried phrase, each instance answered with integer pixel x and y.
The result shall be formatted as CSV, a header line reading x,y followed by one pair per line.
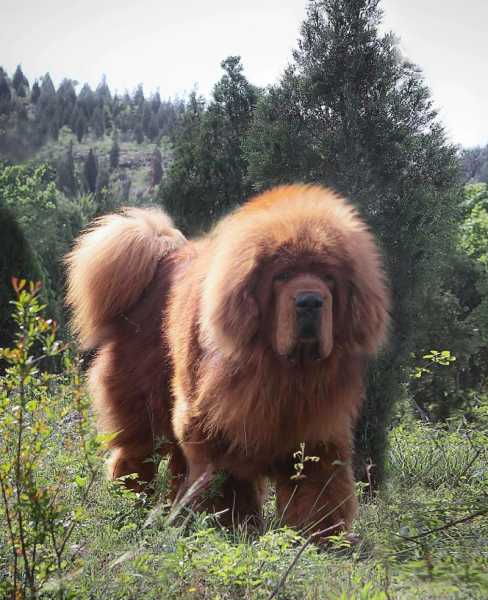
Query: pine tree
x,y
90,172
351,113
87,101
47,108
102,93
156,102
35,92
146,119
98,122
139,95
66,101
20,82
139,134
5,94
80,125
65,170
208,174
156,167
114,152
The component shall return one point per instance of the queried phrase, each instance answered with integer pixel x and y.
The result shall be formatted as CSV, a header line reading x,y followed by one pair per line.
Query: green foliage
x,y
474,230
207,175
351,113
90,172
47,220
16,259
40,513
66,533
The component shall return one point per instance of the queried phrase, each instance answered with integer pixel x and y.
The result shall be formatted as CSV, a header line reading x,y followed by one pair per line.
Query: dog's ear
x,y
229,313
366,318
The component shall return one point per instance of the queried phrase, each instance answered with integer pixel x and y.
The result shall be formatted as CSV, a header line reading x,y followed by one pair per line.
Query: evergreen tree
x,y
156,102
114,152
5,94
35,92
87,101
98,122
47,107
66,101
20,82
146,119
156,167
352,114
16,260
139,95
139,134
153,128
102,93
79,124
65,171
90,172
208,174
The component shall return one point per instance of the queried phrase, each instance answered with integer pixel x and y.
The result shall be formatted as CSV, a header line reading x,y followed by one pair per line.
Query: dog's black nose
x,y
308,301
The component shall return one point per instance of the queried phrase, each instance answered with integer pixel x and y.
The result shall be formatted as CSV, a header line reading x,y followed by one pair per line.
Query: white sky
x,y
175,45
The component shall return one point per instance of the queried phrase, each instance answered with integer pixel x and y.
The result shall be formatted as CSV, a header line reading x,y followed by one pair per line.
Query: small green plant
x,y
437,357
301,458
38,517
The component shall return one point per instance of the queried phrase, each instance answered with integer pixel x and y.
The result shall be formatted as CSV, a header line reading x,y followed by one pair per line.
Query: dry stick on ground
x,y
414,538
303,547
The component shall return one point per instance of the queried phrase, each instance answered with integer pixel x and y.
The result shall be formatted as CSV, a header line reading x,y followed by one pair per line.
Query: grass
x,y
424,535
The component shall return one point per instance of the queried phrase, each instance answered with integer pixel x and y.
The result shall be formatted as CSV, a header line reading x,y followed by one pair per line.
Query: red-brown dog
x,y
236,347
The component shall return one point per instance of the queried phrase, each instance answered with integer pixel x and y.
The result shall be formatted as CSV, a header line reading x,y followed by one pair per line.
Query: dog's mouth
x,y
304,352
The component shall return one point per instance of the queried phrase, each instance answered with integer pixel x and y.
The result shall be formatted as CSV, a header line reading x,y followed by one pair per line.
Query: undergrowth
x,y
65,532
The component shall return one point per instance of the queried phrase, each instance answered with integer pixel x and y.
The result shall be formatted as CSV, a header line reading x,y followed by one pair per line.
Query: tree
x,y
5,94
66,100
156,167
156,102
139,95
79,124
139,134
90,172
475,164
35,92
351,113
114,152
47,108
98,122
65,170
208,173
20,82
16,260
87,101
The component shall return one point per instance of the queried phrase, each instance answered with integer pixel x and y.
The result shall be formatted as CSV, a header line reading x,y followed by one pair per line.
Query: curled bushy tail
x,y
112,263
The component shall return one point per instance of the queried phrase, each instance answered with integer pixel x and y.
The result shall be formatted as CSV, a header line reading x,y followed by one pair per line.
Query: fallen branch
x,y
414,538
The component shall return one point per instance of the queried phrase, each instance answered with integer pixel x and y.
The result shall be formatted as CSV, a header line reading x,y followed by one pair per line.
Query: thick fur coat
x,y
230,351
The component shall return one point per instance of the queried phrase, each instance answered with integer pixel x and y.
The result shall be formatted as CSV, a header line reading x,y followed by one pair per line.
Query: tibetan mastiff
x,y
240,353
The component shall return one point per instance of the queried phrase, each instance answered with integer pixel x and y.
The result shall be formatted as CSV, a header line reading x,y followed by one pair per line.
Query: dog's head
x,y
295,269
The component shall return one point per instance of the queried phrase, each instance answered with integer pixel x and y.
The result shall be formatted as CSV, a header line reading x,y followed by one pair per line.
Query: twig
x,y
414,538
303,547
191,493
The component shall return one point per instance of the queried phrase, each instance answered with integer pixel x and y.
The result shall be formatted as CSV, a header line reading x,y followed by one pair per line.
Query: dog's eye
x,y
329,279
283,276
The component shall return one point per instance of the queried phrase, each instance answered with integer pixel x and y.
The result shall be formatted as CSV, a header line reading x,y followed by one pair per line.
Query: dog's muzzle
x,y
308,307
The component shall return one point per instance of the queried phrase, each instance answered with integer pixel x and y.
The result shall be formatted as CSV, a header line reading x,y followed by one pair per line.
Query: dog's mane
x,y
304,220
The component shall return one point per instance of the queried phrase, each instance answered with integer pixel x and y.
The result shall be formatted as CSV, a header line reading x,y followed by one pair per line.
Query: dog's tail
x,y
112,263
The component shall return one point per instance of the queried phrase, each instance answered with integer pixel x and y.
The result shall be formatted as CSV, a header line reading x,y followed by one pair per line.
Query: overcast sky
x,y
174,45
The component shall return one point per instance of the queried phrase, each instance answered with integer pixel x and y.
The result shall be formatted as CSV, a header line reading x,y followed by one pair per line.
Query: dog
x,y
241,352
